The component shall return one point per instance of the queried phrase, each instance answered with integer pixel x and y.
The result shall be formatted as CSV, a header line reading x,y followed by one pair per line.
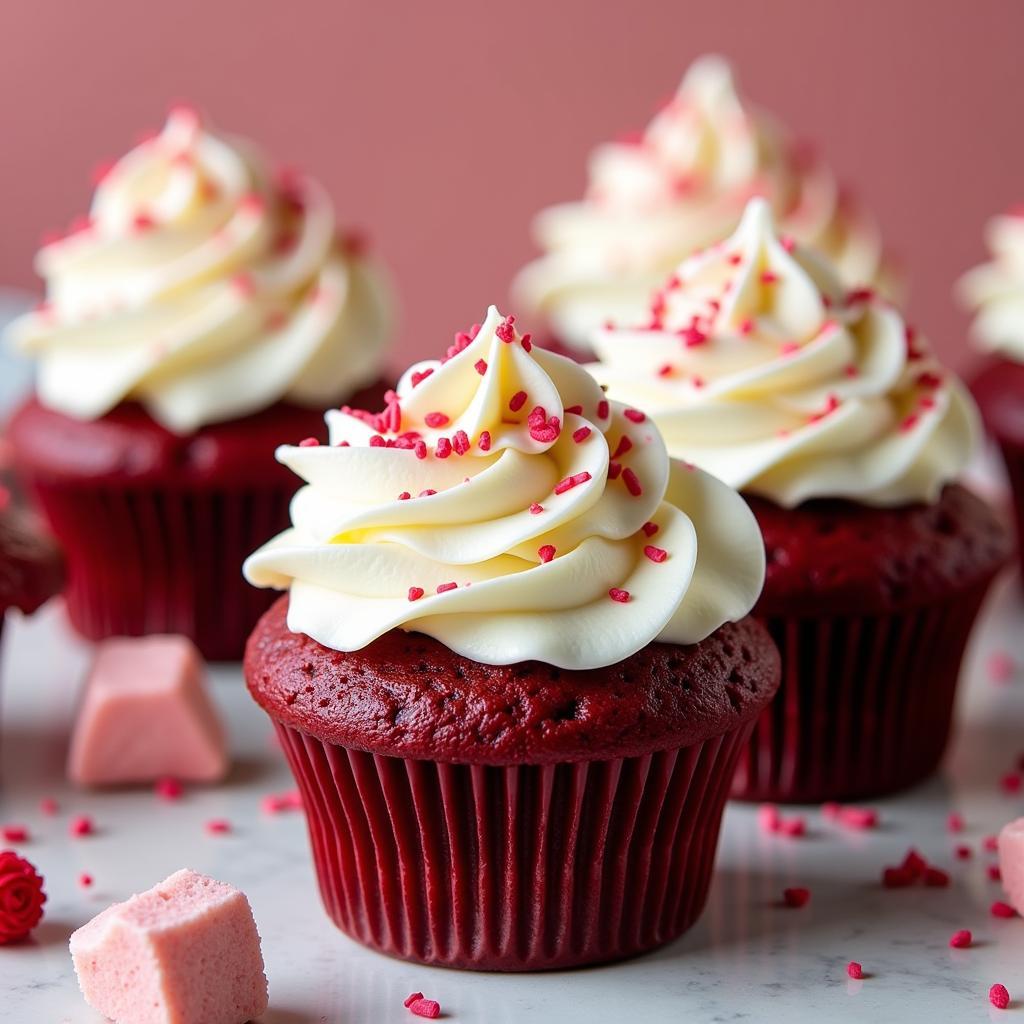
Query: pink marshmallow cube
x,y
185,952
1011,862
145,715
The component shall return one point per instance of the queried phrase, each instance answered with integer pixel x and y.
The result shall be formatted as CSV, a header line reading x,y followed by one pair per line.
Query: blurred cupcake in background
x,y
678,186
204,308
994,292
832,416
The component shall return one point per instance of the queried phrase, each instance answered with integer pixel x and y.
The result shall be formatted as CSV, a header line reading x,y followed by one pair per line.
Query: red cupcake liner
x,y
515,868
865,706
1013,459
164,559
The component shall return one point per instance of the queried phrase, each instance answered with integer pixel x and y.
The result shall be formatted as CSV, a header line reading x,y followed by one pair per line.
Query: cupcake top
x,y
205,288
757,364
995,290
682,184
502,505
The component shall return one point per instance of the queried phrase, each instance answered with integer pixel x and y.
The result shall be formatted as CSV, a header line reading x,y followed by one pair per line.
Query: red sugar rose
x,y
21,897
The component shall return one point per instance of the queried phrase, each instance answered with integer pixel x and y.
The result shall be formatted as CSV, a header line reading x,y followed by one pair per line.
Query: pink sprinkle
x,y
435,419
85,880
527,343
994,873
614,470
1001,909
415,593
535,509
746,326
909,422
793,827
429,1008
1010,782
169,788
443,588
961,939
546,552
420,449
48,806
419,376
768,817
796,897
990,844
632,482
854,970
955,822
734,259
650,529
998,996
858,817
14,834
787,243
962,851
277,803
624,445
769,277
851,371
579,436
517,401
218,826
412,999
936,878
404,496
309,442
143,221
575,410
480,366
692,336
619,595
655,554
82,825
485,441
830,809
444,448
665,370
505,331
460,442
243,284
1000,667
427,493
789,348
570,482
602,409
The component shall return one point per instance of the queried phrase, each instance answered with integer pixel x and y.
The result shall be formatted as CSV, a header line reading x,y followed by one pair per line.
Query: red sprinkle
x,y
419,376
1001,909
936,878
692,336
621,596
480,366
460,442
575,410
420,449
14,834
535,509
1000,667
485,441
218,826
82,825
854,970
994,873
404,496
435,419
858,817
602,409
897,878
998,996
415,593
769,277
650,529
505,331
768,817
990,844
961,939
429,1008
624,445
570,482
793,827
143,221
963,851
444,448
546,552
517,401
632,482
955,821
1011,782
579,436
655,554
443,588
48,806
634,415
169,788
914,864
796,897
412,999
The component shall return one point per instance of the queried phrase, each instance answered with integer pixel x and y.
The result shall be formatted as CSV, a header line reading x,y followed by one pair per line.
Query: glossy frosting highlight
x,y
758,365
503,506
682,185
204,287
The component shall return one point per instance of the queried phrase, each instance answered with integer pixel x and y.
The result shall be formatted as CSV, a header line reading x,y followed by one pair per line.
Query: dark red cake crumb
x,y
796,897
936,878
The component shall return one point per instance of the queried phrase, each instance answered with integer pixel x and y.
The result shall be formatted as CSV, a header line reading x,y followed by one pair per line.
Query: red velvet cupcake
x,y
995,292
514,669
203,308
832,415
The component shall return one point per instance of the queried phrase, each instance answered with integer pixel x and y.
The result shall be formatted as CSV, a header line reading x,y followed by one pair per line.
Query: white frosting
x,y
203,290
995,290
761,368
680,187
543,472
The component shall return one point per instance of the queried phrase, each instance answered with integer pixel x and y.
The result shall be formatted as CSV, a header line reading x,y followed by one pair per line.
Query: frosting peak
x,y
203,287
757,364
682,184
995,290
504,506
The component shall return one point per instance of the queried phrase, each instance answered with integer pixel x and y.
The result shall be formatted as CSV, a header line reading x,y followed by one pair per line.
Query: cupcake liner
x,y
865,705
518,868
1013,459
164,558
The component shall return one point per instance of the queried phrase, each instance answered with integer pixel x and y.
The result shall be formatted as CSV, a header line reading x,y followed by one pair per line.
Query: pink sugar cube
x,y
185,952
146,715
1011,862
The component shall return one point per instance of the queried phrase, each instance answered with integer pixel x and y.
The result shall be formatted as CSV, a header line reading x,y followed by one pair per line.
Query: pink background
x,y
442,126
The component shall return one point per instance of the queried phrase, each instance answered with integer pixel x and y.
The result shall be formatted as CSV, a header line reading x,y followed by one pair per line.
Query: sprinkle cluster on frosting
x,y
503,505
680,185
205,287
758,365
995,290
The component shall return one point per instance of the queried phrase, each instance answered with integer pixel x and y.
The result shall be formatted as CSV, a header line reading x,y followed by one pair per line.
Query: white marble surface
x,y
747,958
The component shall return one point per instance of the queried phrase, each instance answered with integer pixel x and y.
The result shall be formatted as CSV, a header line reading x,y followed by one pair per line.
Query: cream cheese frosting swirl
x,y
995,290
681,186
759,366
504,506
203,288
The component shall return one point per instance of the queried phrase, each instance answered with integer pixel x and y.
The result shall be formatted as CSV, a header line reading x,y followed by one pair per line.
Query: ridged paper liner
x,y
865,705
164,560
1013,459
513,868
